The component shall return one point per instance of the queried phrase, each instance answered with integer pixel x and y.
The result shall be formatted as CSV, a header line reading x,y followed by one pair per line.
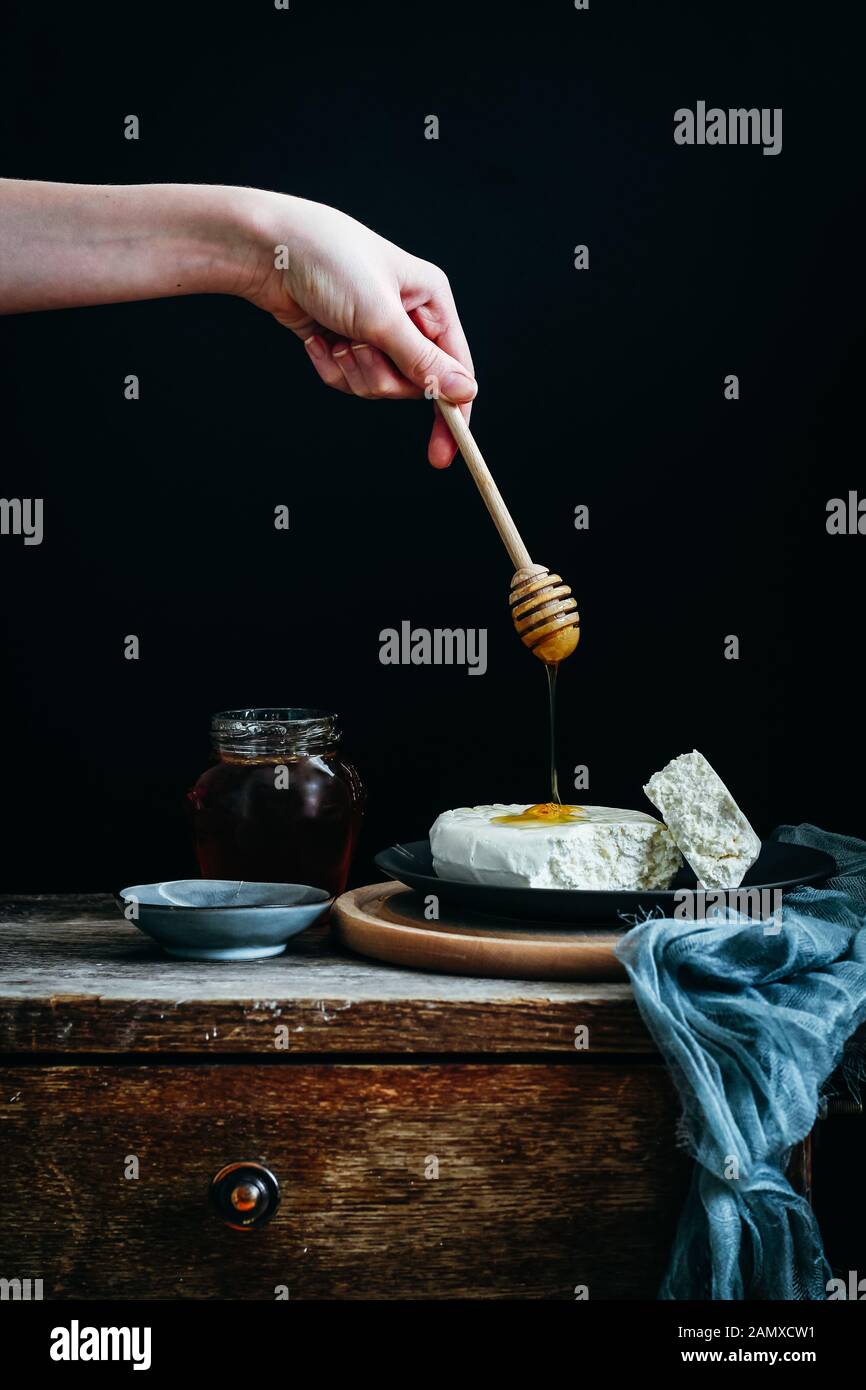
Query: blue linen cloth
x,y
752,1024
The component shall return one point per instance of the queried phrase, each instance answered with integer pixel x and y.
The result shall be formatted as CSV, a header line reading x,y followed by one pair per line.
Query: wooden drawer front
x,y
549,1176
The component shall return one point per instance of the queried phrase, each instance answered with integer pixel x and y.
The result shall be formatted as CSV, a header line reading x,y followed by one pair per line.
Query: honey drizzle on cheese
x,y
544,813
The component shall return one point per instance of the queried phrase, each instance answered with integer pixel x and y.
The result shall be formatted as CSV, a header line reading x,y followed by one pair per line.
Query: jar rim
x,y
266,729
269,717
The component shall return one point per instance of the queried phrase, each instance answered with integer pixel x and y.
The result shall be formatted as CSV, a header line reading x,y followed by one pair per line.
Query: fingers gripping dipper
x,y
544,611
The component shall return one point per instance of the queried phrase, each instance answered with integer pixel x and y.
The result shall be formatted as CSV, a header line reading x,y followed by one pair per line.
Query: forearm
x,y
65,245
376,321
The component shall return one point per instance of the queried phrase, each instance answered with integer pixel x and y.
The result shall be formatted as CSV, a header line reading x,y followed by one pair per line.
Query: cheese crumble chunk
x,y
705,821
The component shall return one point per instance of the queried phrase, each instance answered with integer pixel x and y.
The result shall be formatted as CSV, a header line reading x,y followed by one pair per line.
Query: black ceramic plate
x,y
777,866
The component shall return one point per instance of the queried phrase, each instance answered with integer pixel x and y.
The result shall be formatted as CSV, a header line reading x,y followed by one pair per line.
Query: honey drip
x,y
545,813
551,709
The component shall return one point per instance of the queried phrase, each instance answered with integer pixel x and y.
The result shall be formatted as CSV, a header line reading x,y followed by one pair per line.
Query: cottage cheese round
x,y
596,847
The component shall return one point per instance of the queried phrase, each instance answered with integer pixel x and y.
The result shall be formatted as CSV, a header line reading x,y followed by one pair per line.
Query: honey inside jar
x,y
281,804
544,813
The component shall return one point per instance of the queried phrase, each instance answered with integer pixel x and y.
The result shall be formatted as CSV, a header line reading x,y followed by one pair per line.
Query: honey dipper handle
x,y
453,417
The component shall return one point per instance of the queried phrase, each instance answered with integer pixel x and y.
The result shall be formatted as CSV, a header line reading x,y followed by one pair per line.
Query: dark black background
x,y
603,387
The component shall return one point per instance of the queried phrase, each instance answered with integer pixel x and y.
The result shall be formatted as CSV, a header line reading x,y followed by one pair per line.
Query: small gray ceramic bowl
x,y
222,919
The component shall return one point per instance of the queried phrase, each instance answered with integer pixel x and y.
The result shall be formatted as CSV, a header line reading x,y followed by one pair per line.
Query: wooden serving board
x,y
386,921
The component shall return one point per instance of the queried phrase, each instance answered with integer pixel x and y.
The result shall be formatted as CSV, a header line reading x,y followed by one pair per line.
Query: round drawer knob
x,y
244,1195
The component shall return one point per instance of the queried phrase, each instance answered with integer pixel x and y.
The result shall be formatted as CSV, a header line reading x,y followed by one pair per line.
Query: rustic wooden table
x,y
433,1136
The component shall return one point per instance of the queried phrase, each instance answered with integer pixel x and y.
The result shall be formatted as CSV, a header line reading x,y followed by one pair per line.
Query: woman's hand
x,y
375,321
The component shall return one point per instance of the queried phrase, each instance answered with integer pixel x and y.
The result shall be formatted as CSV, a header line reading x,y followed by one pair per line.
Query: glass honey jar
x,y
280,804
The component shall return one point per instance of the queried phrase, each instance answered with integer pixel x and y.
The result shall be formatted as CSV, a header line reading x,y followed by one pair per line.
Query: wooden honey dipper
x,y
544,611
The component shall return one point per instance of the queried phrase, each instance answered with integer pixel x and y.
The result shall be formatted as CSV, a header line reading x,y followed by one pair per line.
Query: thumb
x,y
425,364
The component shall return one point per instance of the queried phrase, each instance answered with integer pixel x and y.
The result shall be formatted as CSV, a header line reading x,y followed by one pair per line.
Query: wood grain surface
x,y
386,921
550,1176
76,978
